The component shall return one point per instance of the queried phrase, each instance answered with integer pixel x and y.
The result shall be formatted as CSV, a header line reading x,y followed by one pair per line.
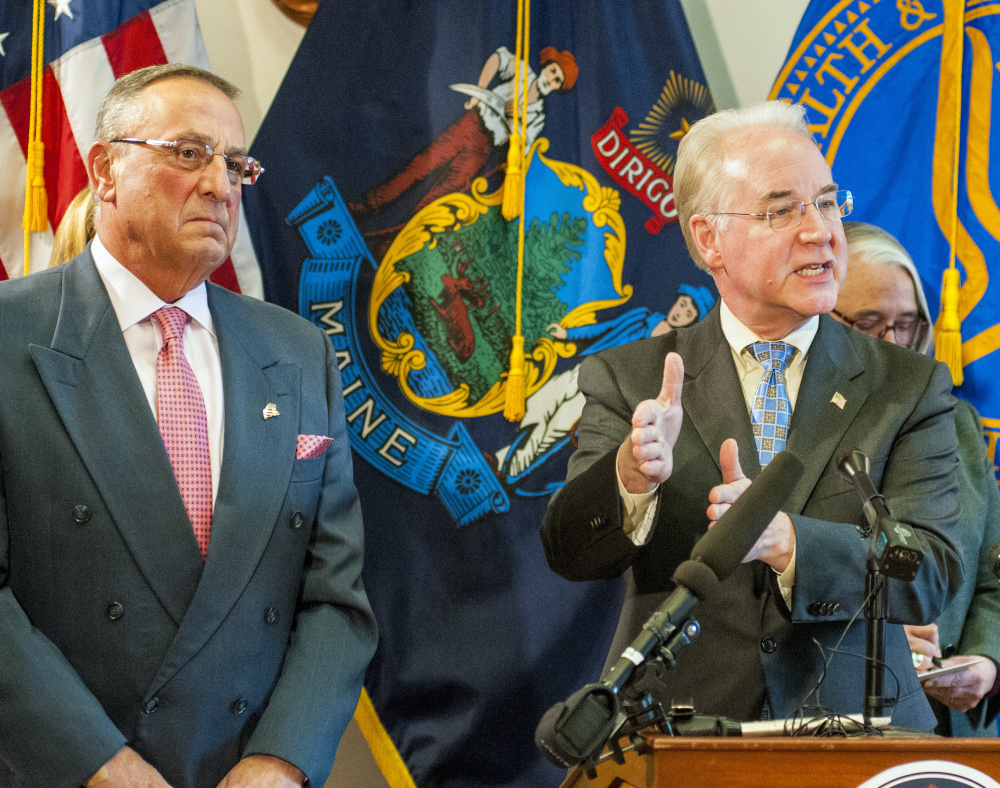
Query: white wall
x,y
741,43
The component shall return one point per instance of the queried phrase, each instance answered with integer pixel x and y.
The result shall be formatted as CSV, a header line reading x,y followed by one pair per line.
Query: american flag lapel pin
x,y
272,410
839,400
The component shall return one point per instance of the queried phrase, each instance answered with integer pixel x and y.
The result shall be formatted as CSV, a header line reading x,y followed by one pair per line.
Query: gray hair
x,y
699,184
875,246
117,114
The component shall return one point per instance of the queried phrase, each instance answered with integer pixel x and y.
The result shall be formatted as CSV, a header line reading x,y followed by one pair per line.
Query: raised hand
x,y
776,545
646,458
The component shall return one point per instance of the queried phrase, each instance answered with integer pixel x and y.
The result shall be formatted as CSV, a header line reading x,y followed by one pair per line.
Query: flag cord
x,y
948,336
513,206
35,200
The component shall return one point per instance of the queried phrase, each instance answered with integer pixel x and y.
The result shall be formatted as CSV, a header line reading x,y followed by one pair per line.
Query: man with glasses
x,y
675,428
882,296
181,600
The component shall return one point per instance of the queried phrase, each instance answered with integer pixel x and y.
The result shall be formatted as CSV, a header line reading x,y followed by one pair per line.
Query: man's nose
x,y
815,225
215,178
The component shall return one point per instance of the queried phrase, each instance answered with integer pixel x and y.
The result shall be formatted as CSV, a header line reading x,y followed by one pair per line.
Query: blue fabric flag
x,y
379,218
889,89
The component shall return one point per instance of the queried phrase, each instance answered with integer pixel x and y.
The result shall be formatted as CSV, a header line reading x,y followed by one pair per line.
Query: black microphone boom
x,y
894,546
575,730
854,468
726,544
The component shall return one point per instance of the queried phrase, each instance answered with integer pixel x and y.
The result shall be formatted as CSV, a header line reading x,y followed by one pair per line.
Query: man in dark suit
x,y
137,650
671,423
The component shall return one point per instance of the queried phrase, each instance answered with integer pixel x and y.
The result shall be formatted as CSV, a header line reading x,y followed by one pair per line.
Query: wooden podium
x,y
780,762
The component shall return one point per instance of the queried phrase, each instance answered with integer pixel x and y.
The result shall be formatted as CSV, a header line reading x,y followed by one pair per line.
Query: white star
x,y
2,37
62,7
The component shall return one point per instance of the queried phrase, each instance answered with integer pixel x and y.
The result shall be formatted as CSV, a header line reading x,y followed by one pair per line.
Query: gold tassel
x,y
514,404
36,203
948,331
513,184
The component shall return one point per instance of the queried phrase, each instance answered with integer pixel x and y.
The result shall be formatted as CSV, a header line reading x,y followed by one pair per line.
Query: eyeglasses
x,y
908,331
193,155
788,214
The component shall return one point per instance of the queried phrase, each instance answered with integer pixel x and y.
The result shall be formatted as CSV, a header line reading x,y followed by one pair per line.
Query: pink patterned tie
x,y
183,424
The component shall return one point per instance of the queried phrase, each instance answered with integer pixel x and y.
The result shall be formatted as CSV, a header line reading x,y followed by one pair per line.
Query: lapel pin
x,y
272,410
839,400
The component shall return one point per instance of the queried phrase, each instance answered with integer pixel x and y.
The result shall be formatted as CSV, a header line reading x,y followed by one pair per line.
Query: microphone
x,y
994,555
574,730
854,467
894,546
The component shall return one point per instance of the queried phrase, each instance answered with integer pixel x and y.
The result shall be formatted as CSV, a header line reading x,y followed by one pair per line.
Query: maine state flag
x,y
901,99
380,219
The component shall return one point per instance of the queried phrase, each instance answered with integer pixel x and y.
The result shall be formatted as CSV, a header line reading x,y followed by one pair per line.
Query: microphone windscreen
x,y
697,577
726,544
995,559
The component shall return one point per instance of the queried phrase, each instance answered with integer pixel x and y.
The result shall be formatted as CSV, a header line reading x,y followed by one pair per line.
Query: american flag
x,y
88,46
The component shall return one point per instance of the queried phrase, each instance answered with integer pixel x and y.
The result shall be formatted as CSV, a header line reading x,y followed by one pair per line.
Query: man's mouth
x,y
813,270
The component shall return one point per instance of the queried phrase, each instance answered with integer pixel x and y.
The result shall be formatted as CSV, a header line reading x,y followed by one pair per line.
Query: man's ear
x,y
99,171
706,239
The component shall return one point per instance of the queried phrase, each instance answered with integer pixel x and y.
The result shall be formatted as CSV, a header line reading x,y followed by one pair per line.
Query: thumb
x,y
673,380
729,461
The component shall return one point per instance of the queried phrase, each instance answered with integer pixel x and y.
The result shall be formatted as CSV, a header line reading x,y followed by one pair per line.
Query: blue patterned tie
x,y
771,407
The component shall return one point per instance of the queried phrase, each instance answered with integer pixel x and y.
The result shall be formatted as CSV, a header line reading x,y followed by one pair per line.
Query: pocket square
x,y
309,447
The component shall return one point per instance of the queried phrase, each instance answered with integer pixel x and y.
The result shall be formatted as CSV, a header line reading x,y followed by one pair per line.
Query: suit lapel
x,y
818,422
713,398
92,383
254,477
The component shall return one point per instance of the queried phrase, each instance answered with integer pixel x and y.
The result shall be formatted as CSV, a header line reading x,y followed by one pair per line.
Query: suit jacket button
x,y
270,615
297,520
768,645
834,607
813,608
240,706
151,705
115,611
81,513
825,608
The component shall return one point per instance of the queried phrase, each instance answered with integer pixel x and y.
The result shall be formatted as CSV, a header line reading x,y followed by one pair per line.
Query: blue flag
x,y
890,88
379,218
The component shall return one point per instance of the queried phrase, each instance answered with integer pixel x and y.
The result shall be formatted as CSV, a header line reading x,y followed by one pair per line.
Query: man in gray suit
x,y
135,651
675,428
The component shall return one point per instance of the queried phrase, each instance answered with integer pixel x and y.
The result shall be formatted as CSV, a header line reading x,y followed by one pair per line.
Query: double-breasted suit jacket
x,y
112,630
755,655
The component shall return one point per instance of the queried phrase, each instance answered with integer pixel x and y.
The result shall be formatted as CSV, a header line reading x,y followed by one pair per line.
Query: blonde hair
x,y
75,229
700,186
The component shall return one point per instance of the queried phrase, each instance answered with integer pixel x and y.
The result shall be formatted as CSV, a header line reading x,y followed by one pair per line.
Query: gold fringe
x,y
35,199
514,405
948,331
36,203
389,761
513,184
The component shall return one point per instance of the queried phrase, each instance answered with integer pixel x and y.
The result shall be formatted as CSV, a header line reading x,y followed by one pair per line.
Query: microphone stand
x,y
891,554
876,612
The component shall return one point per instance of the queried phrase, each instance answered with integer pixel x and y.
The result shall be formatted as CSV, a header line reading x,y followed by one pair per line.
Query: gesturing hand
x,y
776,546
646,458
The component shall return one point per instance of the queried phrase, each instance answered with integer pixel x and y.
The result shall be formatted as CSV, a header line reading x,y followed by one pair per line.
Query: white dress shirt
x,y
133,303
